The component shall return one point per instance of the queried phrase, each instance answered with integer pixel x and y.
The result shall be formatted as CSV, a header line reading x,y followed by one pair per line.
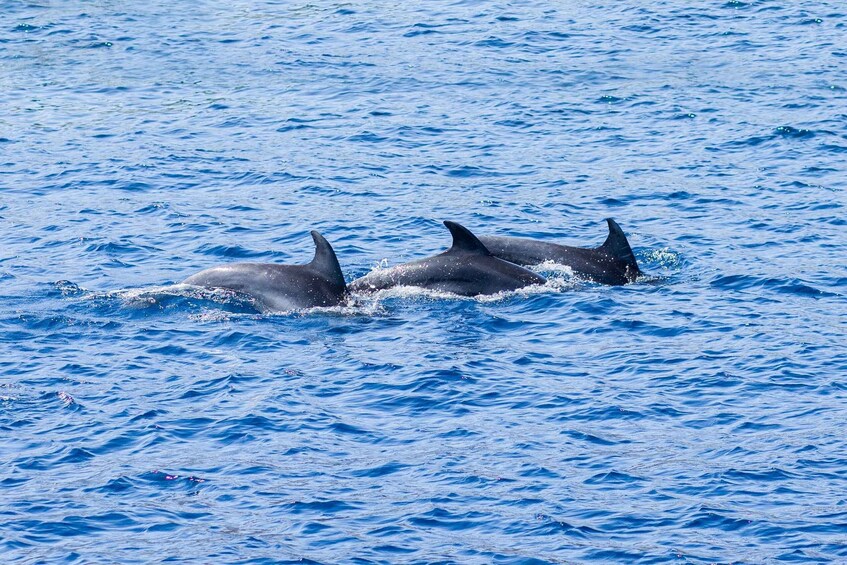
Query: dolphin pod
x,y
472,266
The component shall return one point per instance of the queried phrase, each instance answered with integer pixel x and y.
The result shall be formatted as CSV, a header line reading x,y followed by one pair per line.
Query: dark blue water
x,y
696,417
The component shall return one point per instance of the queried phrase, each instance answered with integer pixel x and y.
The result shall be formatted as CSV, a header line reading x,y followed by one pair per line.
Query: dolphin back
x,y
468,268
277,288
612,263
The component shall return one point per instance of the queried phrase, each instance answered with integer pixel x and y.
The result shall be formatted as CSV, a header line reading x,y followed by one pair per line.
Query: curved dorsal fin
x,y
618,247
325,261
464,241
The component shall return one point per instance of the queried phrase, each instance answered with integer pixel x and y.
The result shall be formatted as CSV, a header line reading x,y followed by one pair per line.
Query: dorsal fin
x,y
618,247
325,261
464,241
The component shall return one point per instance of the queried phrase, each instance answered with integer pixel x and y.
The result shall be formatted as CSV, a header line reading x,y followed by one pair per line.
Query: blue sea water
x,y
694,417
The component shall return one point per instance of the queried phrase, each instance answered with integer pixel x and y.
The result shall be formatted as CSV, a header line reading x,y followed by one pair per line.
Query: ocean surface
x,y
696,416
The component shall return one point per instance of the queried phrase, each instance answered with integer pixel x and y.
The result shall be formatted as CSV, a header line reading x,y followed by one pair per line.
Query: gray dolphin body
x,y
467,269
278,288
612,263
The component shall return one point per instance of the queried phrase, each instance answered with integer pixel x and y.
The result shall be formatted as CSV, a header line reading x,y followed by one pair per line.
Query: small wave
x,y
554,284
228,251
794,133
556,269
609,99
113,248
213,316
413,292
66,399
783,286
68,288
163,296
176,297
26,28
661,259
166,478
353,307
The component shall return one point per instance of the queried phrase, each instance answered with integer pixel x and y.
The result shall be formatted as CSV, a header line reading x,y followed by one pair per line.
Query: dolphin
x,y
467,269
278,288
612,263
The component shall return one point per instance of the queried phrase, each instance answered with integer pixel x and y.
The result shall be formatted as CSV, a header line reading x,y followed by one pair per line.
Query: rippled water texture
x,y
694,417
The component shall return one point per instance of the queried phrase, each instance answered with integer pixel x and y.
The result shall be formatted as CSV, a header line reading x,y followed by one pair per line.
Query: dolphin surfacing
x,y
612,263
468,268
279,288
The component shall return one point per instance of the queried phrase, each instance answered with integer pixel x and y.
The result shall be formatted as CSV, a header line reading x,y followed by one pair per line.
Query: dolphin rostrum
x,y
612,263
467,269
278,288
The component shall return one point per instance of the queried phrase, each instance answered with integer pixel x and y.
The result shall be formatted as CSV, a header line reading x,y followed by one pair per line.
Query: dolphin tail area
x,y
617,246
